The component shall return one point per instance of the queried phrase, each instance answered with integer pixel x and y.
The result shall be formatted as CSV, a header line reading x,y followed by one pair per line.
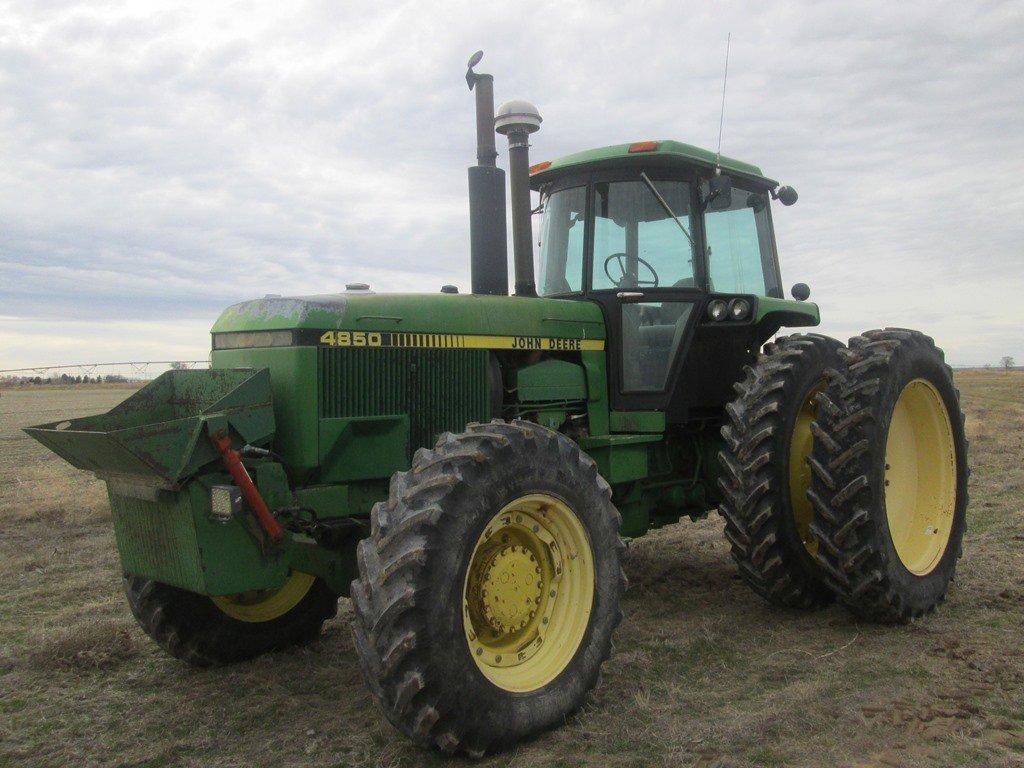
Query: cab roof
x,y
663,152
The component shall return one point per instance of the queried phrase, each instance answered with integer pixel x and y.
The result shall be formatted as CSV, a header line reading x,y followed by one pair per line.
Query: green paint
x,y
158,436
174,540
551,419
294,388
634,508
668,151
272,482
353,498
595,364
680,479
620,458
637,421
363,448
787,311
549,380
419,313
439,390
337,568
156,538
325,500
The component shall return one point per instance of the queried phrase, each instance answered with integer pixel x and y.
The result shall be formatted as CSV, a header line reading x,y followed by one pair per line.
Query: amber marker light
x,y
643,146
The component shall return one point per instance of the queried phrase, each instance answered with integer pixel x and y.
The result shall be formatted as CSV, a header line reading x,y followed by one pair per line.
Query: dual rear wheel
x,y
889,479
845,474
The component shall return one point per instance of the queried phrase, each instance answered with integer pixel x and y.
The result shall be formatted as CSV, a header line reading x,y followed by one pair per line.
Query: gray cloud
x,y
160,162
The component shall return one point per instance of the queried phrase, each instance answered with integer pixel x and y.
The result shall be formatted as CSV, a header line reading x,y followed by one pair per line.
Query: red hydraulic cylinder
x,y
233,462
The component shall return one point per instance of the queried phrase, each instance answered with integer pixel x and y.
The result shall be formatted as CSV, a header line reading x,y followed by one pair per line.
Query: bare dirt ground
x,y
704,673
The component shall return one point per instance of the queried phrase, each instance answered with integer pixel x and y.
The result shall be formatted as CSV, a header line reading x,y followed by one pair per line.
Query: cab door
x,y
646,272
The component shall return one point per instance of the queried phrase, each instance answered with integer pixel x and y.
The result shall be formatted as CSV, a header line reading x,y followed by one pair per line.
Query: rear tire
x,y
452,665
764,471
192,628
890,472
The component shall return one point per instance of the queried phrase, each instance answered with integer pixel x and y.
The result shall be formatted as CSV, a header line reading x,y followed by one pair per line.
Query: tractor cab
x,y
677,248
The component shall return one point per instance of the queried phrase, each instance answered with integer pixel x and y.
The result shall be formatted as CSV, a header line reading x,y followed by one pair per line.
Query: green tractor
x,y
466,468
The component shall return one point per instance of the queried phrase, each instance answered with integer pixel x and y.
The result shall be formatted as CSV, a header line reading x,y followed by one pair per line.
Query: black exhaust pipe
x,y
488,251
517,120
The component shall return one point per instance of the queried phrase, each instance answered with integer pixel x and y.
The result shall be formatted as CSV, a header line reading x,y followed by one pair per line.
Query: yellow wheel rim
x,y
528,593
920,477
260,605
800,446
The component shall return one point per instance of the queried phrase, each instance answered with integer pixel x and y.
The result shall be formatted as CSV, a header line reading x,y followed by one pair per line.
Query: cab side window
x,y
561,252
741,258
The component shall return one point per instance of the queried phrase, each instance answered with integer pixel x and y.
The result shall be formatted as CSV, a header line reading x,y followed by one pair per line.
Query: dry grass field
x,y
704,673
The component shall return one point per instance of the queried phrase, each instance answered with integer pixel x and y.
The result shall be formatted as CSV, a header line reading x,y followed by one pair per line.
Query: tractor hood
x,y
416,313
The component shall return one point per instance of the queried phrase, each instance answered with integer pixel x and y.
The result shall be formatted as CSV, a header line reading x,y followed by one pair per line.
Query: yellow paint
x,y
800,446
261,605
528,593
456,341
920,477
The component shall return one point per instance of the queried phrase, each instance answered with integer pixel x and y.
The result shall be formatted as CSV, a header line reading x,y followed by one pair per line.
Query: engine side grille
x,y
440,389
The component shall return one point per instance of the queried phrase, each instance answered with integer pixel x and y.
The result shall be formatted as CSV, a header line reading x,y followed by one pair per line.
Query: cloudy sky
x,y
159,161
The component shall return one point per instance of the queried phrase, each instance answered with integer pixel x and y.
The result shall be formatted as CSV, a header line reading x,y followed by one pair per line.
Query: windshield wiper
x,y
657,194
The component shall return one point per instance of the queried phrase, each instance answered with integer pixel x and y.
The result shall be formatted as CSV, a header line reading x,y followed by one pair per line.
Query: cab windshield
x,y
637,242
641,239
643,235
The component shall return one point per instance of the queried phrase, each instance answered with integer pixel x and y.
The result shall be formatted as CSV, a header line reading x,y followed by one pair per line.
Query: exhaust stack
x,y
517,119
488,250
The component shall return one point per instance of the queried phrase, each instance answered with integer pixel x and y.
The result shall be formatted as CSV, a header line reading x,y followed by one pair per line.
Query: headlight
x,y
739,309
717,310
225,502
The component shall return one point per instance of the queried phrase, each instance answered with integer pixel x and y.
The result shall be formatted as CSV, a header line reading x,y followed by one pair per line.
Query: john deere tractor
x,y
466,467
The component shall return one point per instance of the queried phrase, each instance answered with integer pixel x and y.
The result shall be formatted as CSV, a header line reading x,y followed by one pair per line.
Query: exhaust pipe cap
x,y
517,115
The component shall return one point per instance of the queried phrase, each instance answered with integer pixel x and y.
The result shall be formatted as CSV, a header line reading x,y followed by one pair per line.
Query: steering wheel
x,y
620,259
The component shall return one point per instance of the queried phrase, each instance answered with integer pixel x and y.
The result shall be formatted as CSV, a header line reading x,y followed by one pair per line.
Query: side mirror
x,y
786,195
800,291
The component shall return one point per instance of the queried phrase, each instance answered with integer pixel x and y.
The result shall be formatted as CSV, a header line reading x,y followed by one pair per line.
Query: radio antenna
x,y
721,117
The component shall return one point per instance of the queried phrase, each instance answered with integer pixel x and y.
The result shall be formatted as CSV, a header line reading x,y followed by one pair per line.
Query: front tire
x,y
489,588
210,631
890,473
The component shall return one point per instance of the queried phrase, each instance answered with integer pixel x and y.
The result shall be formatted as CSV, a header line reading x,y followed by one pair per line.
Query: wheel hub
x,y
511,589
528,592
